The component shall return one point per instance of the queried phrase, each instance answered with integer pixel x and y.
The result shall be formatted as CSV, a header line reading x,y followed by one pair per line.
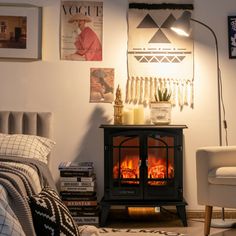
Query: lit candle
x,y
128,116
139,115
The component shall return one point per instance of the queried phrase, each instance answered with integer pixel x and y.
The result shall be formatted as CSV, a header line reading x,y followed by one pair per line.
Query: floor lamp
x,y
182,27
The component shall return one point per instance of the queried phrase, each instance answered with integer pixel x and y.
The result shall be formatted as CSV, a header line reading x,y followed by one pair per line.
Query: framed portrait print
x,y
20,32
232,36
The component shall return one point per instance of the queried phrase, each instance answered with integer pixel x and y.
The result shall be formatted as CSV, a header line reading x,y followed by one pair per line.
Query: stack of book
x,y
78,191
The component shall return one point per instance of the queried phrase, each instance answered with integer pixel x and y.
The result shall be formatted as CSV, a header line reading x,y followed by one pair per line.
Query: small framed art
x,y
20,32
232,36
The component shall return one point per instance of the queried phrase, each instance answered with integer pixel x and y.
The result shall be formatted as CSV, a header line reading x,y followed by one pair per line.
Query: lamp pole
x,y
182,27
218,77
219,94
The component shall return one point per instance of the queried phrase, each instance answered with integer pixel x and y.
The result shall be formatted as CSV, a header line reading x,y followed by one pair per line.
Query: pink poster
x,y
81,30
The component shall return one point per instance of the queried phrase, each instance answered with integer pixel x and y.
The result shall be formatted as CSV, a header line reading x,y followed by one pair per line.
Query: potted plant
x,y
160,109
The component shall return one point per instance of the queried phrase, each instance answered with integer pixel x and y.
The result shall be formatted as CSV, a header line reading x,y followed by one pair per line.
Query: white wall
x,y
63,87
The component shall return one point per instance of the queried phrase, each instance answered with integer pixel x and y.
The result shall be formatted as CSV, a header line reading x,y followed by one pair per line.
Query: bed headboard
x,y
20,122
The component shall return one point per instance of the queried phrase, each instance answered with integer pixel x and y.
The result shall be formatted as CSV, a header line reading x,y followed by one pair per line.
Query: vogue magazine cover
x,y
81,30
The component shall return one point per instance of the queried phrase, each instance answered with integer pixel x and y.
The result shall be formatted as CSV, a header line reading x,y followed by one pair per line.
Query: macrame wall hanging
x,y
157,57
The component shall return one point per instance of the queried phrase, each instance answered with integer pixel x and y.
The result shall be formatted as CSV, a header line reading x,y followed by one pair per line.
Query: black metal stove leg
x,y
182,214
105,208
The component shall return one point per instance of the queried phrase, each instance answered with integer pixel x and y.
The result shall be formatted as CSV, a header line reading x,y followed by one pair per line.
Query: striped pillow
x,y
27,146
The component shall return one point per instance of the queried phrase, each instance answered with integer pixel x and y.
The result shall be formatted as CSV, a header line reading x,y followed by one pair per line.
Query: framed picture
x,y
20,32
232,36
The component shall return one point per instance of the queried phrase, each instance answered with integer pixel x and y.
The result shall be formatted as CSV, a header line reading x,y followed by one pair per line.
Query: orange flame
x,y
157,169
129,169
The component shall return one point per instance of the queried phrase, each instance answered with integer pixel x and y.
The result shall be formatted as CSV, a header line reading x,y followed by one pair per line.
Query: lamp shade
x,y
182,25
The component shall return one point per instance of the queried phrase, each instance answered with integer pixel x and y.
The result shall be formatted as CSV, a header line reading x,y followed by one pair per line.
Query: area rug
x,y
136,232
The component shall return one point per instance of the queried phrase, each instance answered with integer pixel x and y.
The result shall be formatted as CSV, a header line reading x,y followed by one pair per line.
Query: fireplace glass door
x,y
164,167
160,160
126,161
143,165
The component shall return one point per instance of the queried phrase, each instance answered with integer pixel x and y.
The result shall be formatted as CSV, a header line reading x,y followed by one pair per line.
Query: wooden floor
x,y
167,221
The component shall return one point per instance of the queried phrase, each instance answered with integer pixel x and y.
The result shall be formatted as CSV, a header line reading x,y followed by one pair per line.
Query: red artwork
x,y
101,85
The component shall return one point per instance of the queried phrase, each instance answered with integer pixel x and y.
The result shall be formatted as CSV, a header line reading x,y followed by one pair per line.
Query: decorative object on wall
x,y
156,56
232,36
81,30
20,31
101,85
141,90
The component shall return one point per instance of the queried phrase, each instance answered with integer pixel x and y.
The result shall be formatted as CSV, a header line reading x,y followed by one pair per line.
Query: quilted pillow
x,y
27,146
50,215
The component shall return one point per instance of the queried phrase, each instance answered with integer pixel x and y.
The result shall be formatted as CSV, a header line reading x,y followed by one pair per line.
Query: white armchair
x,y
216,179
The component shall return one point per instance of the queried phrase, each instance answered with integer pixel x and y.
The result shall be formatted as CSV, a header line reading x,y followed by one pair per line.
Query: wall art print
x,y
101,85
158,57
81,30
20,32
232,36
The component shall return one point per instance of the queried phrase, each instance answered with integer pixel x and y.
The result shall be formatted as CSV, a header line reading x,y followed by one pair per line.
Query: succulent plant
x,y
162,95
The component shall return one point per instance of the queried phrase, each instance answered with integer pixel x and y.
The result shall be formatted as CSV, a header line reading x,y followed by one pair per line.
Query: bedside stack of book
x,y
78,191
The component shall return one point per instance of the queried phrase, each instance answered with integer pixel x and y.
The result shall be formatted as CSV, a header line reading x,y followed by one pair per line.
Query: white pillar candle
x,y
128,116
139,115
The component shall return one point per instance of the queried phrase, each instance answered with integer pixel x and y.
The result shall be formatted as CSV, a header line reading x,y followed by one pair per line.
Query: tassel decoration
x,y
140,90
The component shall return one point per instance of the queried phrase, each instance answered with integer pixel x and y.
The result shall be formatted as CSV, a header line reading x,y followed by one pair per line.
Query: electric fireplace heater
x,y
143,166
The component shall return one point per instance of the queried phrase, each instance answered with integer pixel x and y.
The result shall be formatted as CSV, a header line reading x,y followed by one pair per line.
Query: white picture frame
x,y
20,32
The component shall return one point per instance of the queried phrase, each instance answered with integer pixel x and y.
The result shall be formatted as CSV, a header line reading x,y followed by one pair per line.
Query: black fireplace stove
x,y
143,166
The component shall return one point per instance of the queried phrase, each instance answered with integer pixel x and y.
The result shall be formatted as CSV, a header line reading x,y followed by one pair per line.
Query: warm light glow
x,y
180,31
129,169
157,169
141,211
182,25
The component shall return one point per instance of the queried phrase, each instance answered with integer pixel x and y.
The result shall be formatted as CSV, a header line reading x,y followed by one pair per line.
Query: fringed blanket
x,y
16,184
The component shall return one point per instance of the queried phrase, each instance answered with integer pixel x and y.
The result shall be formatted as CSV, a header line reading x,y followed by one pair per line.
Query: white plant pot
x,y
160,113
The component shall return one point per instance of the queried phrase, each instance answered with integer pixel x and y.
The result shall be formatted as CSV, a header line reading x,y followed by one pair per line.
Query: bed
x,y
29,201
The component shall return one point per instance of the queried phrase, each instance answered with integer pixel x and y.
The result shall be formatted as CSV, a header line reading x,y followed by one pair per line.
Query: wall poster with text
x,y
81,30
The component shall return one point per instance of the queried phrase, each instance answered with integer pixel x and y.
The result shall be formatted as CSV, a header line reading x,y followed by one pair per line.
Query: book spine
x,y
70,164
82,208
80,203
77,184
76,169
77,189
86,220
77,194
77,198
77,179
76,173
83,213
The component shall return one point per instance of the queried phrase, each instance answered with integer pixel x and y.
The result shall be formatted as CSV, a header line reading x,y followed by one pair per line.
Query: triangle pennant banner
x,y
154,51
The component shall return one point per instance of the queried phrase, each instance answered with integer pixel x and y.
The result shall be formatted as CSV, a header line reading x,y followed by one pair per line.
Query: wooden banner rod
x,y
161,6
